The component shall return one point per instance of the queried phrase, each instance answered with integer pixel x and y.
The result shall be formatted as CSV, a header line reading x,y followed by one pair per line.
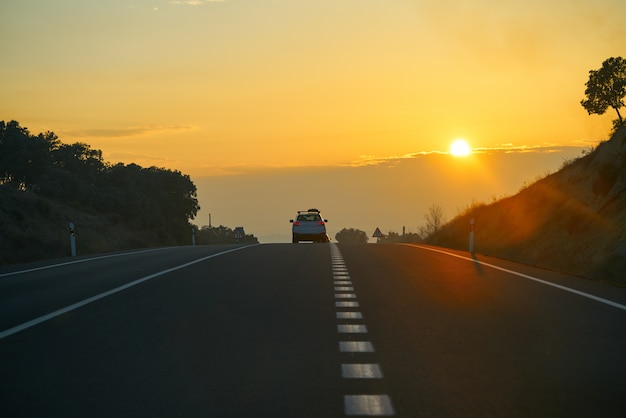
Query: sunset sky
x,y
238,92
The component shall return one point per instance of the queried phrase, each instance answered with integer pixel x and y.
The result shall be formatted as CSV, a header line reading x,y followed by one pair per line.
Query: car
x,y
309,225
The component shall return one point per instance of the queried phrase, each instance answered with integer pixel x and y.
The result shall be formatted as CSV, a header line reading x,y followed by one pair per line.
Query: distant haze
x,y
389,194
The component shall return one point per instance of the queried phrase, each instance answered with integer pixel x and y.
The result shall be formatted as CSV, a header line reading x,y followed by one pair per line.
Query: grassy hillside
x,y
572,221
36,228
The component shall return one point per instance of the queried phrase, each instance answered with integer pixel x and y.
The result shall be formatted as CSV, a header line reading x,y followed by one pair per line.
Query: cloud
x,y
372,160
124,132
511,149
369,160
390,161
194,2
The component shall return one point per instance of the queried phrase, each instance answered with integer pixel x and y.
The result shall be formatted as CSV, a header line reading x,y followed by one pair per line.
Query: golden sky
x,y
353,95
209,87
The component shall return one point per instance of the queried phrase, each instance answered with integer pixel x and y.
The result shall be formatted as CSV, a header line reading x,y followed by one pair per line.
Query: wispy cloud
x,y
368,160
194,2
124,132
389,161
372,160
511,148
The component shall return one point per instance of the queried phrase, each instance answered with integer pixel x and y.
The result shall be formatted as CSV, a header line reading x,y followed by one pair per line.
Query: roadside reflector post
x,y
72,240
193,236
471,237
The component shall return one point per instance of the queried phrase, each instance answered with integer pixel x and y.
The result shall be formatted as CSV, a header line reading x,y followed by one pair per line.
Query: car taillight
x,y
296,223
320,223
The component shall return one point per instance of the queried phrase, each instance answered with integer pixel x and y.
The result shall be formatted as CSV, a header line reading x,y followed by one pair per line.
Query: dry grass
x,y
34,228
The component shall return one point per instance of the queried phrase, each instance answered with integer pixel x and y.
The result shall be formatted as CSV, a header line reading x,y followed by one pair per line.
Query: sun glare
x,y
460,148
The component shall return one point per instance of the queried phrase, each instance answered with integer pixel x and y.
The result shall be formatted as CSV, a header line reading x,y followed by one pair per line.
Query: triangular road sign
x,y
377,233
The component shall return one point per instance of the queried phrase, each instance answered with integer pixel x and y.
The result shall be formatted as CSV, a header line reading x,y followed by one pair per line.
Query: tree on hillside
x,y
152,198
606,88
155,200
24,158
435,218
351,235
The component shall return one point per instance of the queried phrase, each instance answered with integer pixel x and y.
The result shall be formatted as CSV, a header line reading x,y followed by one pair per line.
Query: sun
x,y
460,148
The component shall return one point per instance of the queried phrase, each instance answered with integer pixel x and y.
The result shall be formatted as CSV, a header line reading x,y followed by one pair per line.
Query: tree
x,y
606,88
390,238
221,235
80,159
24,158
395,237
351,235
435,218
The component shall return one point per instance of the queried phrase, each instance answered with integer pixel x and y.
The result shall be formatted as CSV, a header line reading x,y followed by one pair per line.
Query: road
x,y
309,330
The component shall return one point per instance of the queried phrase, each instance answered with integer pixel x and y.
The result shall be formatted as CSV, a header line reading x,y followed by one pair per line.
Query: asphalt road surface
x,y
309,330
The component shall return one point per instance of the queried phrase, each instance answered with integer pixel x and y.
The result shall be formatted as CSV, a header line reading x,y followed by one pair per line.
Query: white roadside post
x,y
72,240
193,236
471,237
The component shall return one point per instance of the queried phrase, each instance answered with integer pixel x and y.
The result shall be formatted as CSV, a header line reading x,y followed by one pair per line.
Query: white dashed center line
x,y
345,296
355,404
342,282
379,405
356,347
339,276
349,315
351,329
361,371
344,304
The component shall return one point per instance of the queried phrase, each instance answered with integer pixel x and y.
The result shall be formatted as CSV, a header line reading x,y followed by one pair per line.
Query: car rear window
x,y
309,217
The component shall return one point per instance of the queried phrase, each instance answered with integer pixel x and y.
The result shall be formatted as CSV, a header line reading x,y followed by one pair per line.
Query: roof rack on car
x,y
308,211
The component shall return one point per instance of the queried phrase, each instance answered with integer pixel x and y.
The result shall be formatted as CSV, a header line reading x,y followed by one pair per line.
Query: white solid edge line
x,y
526,276
84,260
102,295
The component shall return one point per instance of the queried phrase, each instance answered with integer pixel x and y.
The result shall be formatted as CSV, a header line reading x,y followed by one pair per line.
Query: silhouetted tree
x,y
351,235
435,218
24,158
80,159
156,200
606,88
153,198
390,238
395,237
221,235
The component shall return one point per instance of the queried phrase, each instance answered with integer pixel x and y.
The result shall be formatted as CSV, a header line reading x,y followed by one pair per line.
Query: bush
x,y
351,236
